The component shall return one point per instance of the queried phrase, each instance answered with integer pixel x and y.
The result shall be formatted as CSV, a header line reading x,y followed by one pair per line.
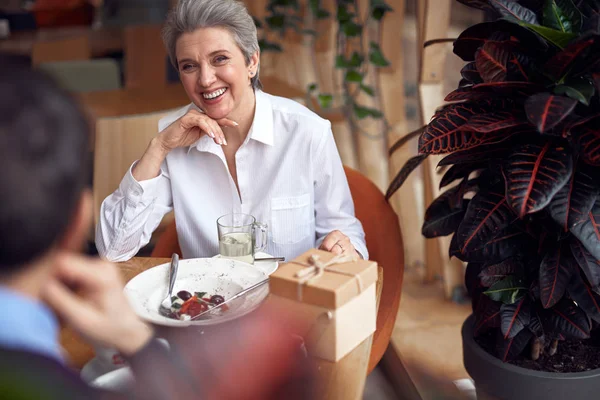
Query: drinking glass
x,y
240,237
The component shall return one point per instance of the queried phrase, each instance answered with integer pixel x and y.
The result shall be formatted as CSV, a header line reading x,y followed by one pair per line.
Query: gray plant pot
x,y
495,380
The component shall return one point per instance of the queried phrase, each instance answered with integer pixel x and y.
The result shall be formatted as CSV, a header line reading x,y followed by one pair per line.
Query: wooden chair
x,y
64,49
119,142
384,242
145,57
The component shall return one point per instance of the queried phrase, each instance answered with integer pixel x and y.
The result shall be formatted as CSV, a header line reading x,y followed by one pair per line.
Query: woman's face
x,y
213,71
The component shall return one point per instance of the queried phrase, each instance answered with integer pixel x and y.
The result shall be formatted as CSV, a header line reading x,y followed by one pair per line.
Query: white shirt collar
x,y
261,129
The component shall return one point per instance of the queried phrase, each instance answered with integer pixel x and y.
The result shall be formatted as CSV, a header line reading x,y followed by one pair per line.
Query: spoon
x,y
165,305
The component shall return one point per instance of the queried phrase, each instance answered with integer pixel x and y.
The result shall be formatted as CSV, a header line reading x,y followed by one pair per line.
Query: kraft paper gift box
x,y
334,297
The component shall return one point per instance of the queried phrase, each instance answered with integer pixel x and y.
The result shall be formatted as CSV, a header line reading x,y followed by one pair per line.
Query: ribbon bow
x,y
315,268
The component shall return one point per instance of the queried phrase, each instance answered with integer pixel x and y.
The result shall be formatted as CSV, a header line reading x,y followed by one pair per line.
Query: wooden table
x,y
344,380
103,41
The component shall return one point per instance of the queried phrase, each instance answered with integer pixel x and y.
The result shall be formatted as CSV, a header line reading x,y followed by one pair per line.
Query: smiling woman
x,y
234,149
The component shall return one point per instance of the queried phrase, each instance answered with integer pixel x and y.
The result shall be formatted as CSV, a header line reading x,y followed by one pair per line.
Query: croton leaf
x,y
470,73
459,171
588,137
506,243
569,320
495,121
585,297
441,217
499,271
487,315
500,31
588,231
534,173
588,8
443,134
467,93
556,270
405,139
480,4
508,291
487,214
575,199
591,24
487,90
514,11
515,317
587,262
545,110
535,324
558,65
521,67
510,349
558,38
472,283
596,79
476,154
491,61
407,168
562,15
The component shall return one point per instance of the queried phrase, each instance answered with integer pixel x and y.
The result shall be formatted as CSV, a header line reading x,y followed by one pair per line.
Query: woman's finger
x,y
227,122
218,132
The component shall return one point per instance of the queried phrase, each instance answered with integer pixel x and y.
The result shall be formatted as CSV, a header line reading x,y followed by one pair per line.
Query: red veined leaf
x,y
480,4
514,317
407,168
491,89
546,110
534,173
587,262
467,93
588,231
575,199
492,62
472,284
577,123
478,153
443,134
558,65
569,320
535,324
555,272
514,11
487,315
506,243
459,171
494,121
470,73
496,272
588,137
510,349
520,67
584,296
499,31
488,213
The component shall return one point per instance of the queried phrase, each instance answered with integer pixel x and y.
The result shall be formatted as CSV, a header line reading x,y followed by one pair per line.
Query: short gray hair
x,y
189,15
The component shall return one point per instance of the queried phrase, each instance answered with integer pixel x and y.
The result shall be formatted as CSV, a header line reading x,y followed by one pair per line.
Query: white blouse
x,y
290,177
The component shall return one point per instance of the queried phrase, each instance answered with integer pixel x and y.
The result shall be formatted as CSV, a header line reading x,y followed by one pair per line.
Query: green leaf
x,y
379,8
265,45
343,15
562,15
340,62
367,89
362,112
558,38
173,298
509,290
325,100
322,14
353,76
200,294
581,91
376,56
276,21
312,87
351,29
355,61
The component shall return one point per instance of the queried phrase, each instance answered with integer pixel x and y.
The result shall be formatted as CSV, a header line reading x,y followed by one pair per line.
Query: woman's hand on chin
x,y
191,127
338,243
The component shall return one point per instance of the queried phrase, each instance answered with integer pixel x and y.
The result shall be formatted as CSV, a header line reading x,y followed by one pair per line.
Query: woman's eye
x,y
220,59
187,67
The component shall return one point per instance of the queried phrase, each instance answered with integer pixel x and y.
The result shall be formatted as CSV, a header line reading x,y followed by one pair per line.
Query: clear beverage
x,y
238,246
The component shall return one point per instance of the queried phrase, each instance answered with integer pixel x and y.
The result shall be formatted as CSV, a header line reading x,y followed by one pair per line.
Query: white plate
x,y
268,267
212,275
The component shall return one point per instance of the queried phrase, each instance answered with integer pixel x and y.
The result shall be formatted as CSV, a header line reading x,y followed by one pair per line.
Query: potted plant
x,y
522,172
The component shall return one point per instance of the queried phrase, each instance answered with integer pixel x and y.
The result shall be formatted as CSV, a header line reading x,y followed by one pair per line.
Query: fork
x,y
165,305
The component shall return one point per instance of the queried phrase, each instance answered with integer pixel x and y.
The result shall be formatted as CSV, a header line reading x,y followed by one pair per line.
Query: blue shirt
x,y
28,325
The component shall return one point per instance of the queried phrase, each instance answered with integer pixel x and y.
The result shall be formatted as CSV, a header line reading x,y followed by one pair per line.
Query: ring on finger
x,y
338,244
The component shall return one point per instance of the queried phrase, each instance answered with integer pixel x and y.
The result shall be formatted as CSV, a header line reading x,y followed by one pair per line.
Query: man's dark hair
x,y
44,152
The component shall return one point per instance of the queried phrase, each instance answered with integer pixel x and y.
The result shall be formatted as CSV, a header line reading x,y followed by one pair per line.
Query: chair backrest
x,y
145,56
119,142
85,75
384,242
64,49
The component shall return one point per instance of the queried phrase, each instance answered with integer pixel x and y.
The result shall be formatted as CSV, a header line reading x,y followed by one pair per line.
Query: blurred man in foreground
x,y
44,217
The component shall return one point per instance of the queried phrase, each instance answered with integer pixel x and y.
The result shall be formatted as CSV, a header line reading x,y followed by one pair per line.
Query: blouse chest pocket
x,y
291,219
